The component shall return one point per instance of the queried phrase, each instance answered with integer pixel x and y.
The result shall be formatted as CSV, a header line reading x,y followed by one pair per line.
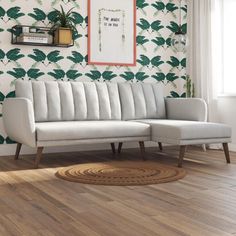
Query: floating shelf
x,y
21,33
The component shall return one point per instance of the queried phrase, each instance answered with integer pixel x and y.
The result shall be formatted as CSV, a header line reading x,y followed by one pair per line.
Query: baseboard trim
x,y
9,149
232,147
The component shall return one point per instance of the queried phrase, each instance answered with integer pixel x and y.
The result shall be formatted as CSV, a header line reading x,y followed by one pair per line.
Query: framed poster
x,y
112,32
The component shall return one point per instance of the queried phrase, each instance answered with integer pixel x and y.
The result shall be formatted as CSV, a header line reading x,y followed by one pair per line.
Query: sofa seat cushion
x,y
77,130
175,130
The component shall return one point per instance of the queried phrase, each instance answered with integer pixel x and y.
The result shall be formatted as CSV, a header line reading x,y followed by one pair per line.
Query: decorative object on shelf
x,y
179,40
64,27
112,32
35,36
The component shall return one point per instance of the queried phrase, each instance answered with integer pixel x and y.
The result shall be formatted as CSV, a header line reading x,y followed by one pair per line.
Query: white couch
x,y
71,113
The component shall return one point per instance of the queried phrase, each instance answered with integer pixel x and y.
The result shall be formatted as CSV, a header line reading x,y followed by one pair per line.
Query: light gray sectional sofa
x,y
71,113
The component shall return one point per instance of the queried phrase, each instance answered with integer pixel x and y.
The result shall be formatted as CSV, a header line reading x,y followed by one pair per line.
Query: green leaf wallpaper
x,y
157,62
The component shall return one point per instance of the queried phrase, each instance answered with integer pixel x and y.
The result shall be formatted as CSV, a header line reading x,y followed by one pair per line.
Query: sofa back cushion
x,y
142,101
68,101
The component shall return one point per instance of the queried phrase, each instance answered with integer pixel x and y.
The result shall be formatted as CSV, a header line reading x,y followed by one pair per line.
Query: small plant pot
x,y
63,36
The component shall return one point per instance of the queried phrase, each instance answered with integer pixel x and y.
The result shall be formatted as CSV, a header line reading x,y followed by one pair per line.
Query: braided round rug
x,y
121,173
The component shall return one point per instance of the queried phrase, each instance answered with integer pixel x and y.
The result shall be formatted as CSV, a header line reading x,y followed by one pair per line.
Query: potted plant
x,y
64,27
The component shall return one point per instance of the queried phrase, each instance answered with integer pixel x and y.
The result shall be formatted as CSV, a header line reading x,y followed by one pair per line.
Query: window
x,y
229,47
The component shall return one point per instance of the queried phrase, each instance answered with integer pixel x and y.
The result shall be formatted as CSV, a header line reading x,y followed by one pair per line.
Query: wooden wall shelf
x,y
34,36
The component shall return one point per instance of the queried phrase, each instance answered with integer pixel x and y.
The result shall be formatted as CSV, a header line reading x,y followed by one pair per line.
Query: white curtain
x,y
204,56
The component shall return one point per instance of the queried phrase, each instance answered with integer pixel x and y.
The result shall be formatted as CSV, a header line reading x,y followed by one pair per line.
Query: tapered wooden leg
x,y
160,146
142,149
181,155
38,157
120,147
113,148
18,148
226,150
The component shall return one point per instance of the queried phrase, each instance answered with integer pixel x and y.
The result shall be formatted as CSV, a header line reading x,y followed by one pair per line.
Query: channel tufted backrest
x,y
142,101
68,101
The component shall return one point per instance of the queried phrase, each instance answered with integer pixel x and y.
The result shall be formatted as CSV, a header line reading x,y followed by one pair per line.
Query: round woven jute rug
x,y
123,173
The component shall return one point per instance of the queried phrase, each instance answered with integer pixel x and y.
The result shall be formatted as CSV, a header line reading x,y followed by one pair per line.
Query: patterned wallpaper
x,y
157,62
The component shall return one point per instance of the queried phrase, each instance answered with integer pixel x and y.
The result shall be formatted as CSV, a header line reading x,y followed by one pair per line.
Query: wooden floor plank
x,y
36,202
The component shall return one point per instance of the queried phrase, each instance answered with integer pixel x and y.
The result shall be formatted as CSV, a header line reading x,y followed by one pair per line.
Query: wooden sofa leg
x,y
38,157
226,151
18,148
142,149
113,148
120,147
181,155
160,146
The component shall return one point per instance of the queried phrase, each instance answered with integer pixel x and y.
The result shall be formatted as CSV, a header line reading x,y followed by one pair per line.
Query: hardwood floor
x,y
35,202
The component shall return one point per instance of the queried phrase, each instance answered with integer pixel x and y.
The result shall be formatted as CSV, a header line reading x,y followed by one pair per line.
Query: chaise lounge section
x,y
47,114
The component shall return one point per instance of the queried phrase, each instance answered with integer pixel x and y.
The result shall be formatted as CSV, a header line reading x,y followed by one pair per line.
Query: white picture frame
x,y
112,32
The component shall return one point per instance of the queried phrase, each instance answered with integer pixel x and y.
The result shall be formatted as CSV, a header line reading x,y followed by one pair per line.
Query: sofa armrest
x,y
194,109
18,120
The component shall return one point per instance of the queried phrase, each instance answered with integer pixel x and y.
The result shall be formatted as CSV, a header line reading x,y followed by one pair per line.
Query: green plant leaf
x,y
160,77
171,77
2,54
144,24
94,75
141,76
9,141
54,56
174,62
52,16
2,140
58,74
77,18
184,28
76,35
171,7
156,61
18,73
141,4
34,73
14,54
76,57
144,60
173,27
159,41
11,94
2,97
176,95
73,74
128,75
14,13
156,26
183,62
108,75
38,15
2,12
38,56
141,40
184,8
159,6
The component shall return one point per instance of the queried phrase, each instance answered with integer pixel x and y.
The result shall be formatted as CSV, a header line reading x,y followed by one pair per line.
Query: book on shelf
x,y
32,39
